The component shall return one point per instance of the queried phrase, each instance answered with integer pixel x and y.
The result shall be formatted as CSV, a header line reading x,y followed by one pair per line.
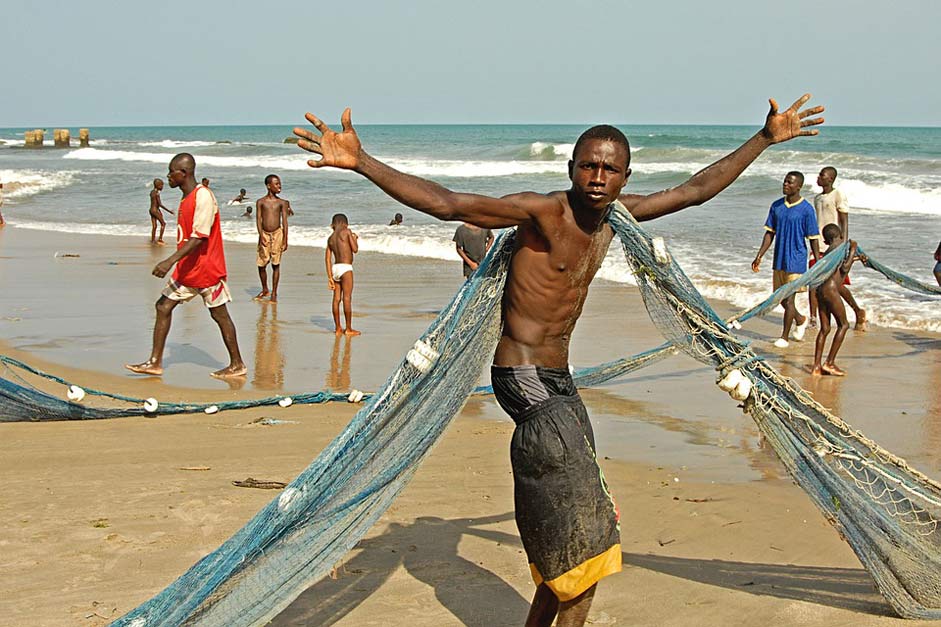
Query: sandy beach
x,y
103,514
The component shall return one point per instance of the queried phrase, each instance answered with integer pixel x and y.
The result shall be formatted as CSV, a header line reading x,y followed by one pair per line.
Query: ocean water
x,y
891,176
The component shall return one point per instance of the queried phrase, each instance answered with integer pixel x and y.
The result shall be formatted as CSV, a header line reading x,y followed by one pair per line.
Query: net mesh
x,y
887,511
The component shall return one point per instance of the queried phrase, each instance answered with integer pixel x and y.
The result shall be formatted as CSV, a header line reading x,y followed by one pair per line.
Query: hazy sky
x,y
426,61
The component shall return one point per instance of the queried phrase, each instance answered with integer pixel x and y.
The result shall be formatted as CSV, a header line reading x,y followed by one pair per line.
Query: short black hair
x,y
831,170
831,232
604,132
339,218
798,175
271,176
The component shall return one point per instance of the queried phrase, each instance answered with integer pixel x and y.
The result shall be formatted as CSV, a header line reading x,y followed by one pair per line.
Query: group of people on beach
x,y
791,223
567,518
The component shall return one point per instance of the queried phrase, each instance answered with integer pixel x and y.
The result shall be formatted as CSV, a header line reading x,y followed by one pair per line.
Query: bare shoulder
x,y
539,204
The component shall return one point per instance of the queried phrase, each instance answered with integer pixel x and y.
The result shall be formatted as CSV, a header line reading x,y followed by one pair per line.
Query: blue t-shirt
x,y
791,224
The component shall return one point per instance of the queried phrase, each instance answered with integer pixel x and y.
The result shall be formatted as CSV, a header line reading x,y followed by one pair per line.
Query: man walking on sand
x,y
271,220
832,208
791,221
341,246
567,520
200,269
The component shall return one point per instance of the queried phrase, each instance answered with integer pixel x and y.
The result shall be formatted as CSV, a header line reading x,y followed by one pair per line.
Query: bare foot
x,y
861,323
351,332
274,297
816,371
832,370
339,331
813,323
230,371
160,242
261,295
147,367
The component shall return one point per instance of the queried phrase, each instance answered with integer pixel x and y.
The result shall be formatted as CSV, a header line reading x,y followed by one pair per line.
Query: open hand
x,y
792,122
338,150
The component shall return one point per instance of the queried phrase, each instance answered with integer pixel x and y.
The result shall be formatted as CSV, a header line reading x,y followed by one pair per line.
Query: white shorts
x,y
214,296
339,269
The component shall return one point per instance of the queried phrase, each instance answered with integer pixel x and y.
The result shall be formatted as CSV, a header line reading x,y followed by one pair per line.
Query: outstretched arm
x,y
705,184
344,150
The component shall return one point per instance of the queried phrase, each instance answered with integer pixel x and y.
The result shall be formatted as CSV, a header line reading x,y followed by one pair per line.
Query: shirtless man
x,y
832,208
155,216
241,197
271,219
830,303
341,246
561,239
200,270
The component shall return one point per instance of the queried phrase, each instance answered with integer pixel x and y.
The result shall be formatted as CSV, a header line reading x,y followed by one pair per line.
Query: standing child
x,y
271,220
343,244
830,302
155,216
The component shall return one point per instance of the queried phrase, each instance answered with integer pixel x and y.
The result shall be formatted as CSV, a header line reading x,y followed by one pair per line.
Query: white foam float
x,y
151,405
285,402
355,396
211,409
75,394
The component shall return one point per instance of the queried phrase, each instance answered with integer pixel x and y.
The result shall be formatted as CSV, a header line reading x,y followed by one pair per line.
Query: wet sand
x,y
101,515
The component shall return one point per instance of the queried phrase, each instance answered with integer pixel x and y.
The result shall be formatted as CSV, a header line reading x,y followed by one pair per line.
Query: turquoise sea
x,y
892,177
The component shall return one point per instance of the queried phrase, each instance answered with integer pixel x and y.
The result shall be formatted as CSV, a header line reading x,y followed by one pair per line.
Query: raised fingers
x,y
811,122
317,122
809,112
797,103
347,120
309,146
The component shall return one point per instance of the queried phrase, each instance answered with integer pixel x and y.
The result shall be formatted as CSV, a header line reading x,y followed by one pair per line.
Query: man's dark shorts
x,y
566,517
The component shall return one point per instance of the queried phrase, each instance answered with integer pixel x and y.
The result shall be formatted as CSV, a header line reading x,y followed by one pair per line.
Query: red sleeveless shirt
x,y
198,216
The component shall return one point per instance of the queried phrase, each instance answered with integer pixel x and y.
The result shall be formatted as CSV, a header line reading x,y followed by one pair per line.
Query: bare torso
x,y
340,245
553,264
269,210
155,203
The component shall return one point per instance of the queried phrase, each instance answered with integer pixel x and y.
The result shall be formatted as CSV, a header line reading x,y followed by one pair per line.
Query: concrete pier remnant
x,y
62,137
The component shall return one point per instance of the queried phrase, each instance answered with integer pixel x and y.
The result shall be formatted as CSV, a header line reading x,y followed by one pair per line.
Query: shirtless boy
x,y
155,216
566,518
271,220
241,197
830,302
341,246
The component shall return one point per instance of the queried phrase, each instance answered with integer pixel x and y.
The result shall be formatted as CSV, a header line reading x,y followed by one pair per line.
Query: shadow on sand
x,y
428,551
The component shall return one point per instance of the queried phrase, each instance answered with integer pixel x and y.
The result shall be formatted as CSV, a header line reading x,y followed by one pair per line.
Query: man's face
x,y
824,178
175,175
791,185
598,173
274,186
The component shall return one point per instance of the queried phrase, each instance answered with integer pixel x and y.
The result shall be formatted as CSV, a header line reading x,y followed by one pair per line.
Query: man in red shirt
x,y
200,269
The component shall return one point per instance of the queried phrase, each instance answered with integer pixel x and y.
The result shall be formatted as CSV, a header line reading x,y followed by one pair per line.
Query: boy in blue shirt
x,y
791,221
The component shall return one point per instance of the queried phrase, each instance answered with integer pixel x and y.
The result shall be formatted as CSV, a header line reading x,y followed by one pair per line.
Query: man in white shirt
x,y
832,208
